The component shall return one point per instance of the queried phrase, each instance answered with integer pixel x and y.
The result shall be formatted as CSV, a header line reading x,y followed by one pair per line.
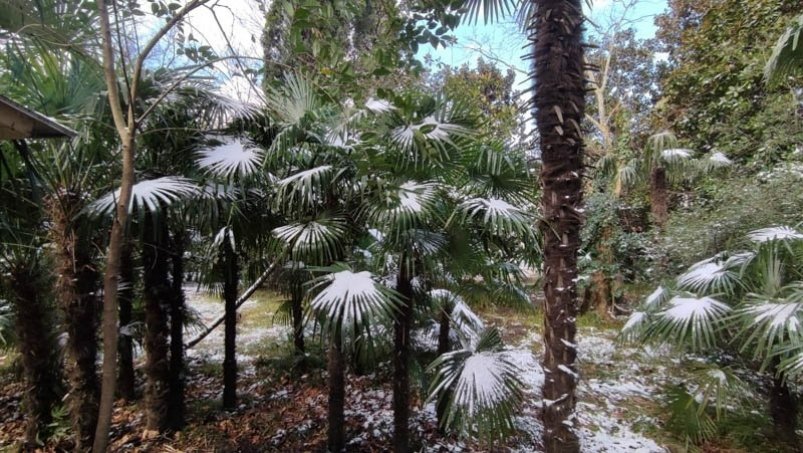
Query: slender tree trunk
x,y
337,395
298,319
443,348
37,347
230,281
175,413
126,378
76,290
401,359
156,298
658,198
559,100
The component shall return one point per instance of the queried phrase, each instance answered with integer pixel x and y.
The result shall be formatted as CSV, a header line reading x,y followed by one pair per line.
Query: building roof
x,y
18,122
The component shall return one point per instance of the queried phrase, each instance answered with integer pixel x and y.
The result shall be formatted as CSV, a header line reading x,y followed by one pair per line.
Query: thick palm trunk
x,y
156,298
126,379
76,290
658,198
401,359
176,399
230,281
557,34
337,395
38,349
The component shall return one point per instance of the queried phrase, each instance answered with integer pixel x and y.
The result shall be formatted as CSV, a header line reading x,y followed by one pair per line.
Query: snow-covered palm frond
x,y
718,160
233,157
404,207
690,321
480,386
434,127
378,105
315,241
676,155
711,275
349,299
779,233
305,187
225,108
634,327
766,324
225,234
499,216
464,319
656,298
151,195
787,54
662,140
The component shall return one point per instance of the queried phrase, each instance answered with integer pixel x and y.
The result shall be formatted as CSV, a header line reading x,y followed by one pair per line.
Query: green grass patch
x,y
261,312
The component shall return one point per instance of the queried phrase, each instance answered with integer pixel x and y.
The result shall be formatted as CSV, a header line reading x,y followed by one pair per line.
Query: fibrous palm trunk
x,y
401,358
126,379
556,33
784,409
297,297
156,298
231,279
37,347
658,198
76,290
336,365
176,399
443,348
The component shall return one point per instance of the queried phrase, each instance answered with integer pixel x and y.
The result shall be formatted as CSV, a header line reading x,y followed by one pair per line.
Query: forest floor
x,y
283,409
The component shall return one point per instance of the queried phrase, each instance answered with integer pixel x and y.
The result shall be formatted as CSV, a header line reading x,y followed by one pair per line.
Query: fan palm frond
x,y
348,299
779,233
232,157
711,275
480,386
499,216
317,241
306,187
690,321
403,207
766,324
293,100
787,54
151,195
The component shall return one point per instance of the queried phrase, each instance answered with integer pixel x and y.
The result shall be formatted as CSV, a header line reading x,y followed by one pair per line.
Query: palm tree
x,y
787,55
742,302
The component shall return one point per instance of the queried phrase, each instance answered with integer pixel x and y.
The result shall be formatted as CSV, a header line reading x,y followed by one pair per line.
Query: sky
x,y
504,43
242,22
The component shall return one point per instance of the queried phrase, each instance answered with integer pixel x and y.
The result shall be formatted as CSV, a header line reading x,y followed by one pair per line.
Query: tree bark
x,y
126,378
401,359
76,287
231,279
37,347
175,414
298,318
658,198
156,298
337,395
443,348
556,33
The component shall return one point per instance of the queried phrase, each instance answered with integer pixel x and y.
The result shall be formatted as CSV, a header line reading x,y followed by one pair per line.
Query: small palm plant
x,y
748,303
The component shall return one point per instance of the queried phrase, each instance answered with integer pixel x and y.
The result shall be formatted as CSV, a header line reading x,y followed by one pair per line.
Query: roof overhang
x,y
18,122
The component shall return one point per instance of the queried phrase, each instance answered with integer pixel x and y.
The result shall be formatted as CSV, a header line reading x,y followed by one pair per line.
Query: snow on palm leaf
x,y
378,105
779,233
656,298
719,160
305,187
294,100
766,324
400,210
710,275
348,299
480,385
315,241
689,321
461,315
233,157
498,215
674,155
152,195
